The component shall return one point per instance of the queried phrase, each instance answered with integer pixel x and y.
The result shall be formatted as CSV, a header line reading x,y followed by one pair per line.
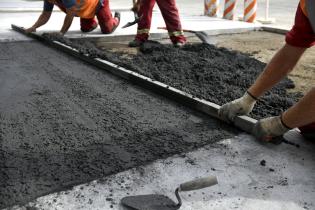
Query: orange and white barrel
x,y
212,7
229,9
250,10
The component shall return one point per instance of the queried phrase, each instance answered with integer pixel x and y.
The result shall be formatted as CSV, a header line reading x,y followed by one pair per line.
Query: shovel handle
x,y
185,30
198,183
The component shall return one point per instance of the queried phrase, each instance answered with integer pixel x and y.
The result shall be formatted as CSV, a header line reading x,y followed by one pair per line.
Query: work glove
x,y
269,129
240,106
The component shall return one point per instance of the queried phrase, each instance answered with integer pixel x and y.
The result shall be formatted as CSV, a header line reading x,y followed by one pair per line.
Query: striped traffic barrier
x,y
250,10
212,7
229,9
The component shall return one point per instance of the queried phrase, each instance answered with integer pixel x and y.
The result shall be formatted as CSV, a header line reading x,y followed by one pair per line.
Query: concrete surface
x,y
243,182
286,182
64,122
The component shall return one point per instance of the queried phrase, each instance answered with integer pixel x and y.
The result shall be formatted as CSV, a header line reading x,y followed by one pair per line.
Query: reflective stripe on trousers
x,y
176,33
143,31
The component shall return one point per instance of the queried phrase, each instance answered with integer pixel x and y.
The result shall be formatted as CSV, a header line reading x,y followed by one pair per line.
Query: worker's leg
x,y
107,22
145,12
88,25
171,17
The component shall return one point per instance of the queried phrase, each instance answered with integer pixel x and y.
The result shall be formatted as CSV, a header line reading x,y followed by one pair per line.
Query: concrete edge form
x,y
244,123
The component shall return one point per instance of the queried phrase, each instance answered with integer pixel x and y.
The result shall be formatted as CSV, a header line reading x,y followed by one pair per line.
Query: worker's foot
x,y
90,28
135,43
179,44
117,17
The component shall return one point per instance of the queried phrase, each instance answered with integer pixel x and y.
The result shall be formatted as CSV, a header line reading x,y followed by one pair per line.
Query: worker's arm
x,y
302,113
68,20
280,65
42,20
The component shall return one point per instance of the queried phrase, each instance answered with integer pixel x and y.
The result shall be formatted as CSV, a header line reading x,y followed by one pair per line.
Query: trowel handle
x,y
199,183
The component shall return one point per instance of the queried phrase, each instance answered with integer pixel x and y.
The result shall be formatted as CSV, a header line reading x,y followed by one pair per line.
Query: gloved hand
x,y
269,128
240,106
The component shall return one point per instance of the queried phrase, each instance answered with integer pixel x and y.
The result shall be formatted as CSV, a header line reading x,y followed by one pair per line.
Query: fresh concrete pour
x,y
63,123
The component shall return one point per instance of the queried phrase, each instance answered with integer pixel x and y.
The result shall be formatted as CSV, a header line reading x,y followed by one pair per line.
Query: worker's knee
x,y
106,30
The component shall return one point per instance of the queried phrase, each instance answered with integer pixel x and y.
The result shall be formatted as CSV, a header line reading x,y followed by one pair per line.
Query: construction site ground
x,y
91,125
73,136
263,50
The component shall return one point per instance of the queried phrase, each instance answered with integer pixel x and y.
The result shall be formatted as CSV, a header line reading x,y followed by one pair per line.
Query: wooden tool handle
x,y
198,183
185,30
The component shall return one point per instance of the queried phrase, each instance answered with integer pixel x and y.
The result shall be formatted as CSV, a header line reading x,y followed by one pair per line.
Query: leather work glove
x,y
269,129
240,106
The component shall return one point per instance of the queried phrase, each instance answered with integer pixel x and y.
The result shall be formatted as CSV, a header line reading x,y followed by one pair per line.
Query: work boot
x,y
135,43
178,41
116,16
179,44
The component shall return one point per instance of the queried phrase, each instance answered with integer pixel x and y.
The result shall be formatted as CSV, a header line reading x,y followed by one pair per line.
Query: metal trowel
x,y
137,19
162,202
135,9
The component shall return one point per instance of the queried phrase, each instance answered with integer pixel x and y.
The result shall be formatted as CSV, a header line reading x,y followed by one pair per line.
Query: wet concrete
x,y
63,122
216,74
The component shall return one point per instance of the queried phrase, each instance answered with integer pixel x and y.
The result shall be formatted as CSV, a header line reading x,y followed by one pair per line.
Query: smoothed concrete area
x,y
250,175
63,122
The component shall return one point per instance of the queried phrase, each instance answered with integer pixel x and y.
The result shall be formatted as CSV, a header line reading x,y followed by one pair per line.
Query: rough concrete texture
x,y
285,182
205,71
63,122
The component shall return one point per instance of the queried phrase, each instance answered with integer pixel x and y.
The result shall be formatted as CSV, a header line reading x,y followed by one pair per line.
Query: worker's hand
x,y
30,30
240,106
269,128
136,6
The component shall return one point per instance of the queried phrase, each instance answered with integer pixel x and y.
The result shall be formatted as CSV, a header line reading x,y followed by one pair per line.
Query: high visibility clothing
x,y
308,8
82,8
302,33
87,17
171,17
